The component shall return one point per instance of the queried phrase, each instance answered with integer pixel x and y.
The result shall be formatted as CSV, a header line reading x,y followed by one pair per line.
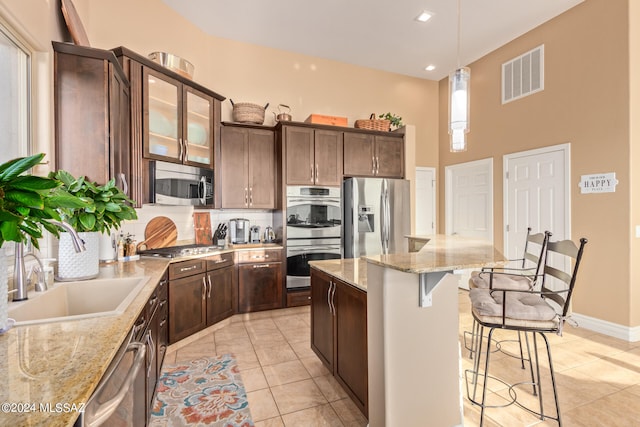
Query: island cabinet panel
x,y
350,366
313,156
373,155
339,333
322,317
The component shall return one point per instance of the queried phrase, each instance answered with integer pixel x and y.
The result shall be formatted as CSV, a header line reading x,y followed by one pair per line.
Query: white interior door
x,y
425,197
469,199
537,194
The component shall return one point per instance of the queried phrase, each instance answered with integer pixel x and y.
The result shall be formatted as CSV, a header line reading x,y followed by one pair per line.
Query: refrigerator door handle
x,y
387,217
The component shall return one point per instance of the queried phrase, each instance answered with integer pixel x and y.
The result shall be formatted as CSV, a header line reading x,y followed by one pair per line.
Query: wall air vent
x,y
523,75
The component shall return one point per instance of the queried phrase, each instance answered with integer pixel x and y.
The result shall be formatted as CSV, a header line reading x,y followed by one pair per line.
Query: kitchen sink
x,y
77,300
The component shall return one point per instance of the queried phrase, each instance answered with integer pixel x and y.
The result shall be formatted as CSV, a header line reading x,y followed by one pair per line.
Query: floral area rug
x,y
203,392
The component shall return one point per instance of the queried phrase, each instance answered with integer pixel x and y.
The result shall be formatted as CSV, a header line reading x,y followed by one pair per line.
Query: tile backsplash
x,y
182,216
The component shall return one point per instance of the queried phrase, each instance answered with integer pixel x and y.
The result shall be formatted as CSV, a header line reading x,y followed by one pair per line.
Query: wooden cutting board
x,y
160,232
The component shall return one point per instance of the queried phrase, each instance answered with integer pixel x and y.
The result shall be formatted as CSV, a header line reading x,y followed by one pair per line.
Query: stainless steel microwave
x,y
174,184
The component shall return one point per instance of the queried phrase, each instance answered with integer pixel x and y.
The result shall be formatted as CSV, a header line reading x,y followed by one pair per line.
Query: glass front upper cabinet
x,y
178,123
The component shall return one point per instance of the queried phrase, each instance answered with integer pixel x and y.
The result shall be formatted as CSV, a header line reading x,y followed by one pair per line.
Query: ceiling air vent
x,y
523,75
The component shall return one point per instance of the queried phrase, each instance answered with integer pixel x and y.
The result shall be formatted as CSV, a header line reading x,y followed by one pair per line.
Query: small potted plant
x,y
394,121
107,207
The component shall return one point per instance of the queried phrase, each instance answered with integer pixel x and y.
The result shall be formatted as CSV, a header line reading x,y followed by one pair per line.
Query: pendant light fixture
x,y
459,85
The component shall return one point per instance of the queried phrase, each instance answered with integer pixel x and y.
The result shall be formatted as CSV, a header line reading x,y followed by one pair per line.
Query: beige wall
x,y
250,73
585,103
634,158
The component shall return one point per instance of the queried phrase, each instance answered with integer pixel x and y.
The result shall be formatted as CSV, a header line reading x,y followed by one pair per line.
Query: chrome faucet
x,y
20,277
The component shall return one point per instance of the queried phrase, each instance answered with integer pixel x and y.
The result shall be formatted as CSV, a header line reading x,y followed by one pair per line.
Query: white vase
x,y
4,290
74,265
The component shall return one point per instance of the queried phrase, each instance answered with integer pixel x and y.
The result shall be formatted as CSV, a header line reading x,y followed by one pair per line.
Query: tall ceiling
x,y
377,34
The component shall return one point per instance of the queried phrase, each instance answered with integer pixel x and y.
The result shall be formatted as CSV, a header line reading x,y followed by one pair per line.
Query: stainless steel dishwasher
x,y
119,398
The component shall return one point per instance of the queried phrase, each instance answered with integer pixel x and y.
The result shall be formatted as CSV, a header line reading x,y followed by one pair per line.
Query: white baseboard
x,y
627,333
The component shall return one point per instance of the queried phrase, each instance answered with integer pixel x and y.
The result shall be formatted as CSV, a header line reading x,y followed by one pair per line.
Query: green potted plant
x,y
27,204
395,121
107,207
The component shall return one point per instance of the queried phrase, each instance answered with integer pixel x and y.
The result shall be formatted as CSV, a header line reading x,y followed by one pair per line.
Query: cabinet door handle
x,y
250,196
333,296
311,167
329,296
186,150
152,352
125,184
246,197
316,172
373,165
261,265
209,280
204,288
181,148
377,165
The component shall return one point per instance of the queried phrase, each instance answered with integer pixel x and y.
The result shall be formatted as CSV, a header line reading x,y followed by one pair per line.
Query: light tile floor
x,y
598,376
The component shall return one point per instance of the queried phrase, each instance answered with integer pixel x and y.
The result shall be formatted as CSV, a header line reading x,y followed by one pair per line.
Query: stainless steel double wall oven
x,y
314,226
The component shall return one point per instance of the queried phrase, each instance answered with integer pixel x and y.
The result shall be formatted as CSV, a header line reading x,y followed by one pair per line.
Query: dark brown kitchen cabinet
x,y
322,317
373,155
173,119
222,297
92,122
313,156
177,121
247,168
187,298
339,333
150,329
260,285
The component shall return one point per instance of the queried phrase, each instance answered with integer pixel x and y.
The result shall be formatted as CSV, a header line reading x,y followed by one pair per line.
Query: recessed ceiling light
x,y
430,67
424,16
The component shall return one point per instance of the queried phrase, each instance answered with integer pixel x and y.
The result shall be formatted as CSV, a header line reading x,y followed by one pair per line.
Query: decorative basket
x,y
373,124
246,112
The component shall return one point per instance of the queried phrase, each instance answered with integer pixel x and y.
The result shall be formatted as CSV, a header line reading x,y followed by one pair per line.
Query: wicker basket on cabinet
x,y
373,124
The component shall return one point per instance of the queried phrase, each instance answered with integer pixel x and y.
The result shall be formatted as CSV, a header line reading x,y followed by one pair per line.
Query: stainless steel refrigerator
x,y
376,216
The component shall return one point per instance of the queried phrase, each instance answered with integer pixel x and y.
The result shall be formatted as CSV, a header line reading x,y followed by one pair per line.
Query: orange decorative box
x,y
326,120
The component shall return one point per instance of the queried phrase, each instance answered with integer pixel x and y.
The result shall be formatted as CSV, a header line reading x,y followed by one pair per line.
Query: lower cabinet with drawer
x,y
260,285
187,298
201,292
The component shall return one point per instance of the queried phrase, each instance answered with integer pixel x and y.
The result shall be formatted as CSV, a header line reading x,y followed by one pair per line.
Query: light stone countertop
x,y
63,362
443,253
351,271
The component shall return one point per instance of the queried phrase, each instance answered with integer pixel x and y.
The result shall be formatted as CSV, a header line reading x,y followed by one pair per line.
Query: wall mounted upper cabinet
x,y
367,154
247,168
313,156
92,120
173,119
178,121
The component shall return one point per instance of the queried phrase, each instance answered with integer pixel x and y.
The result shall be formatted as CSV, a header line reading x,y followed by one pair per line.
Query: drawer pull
x,y
153,300
193,267
261,265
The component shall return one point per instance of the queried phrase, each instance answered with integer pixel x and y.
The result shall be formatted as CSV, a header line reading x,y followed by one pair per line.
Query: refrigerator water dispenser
x,y
366,219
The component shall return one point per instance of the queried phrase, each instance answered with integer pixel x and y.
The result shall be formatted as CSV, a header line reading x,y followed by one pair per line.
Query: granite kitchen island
x,y
412,328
